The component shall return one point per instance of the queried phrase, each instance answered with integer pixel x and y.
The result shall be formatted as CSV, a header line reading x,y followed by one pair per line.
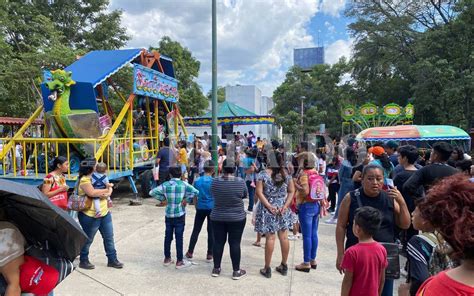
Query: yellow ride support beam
x,y
108,138
157,126
150,128
20,132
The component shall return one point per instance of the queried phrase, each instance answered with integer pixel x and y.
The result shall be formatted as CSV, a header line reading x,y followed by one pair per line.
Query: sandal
x,y
314,265
256,244
282,268
303,267
266,272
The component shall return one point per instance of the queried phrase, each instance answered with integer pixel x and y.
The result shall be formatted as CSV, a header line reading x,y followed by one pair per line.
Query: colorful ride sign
x,y
150,83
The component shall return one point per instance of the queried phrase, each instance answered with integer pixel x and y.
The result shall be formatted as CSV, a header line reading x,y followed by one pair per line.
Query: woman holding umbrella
x,y
90,223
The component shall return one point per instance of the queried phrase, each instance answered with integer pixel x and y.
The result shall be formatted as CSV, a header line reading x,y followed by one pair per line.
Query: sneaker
x,y
331,221
86,265
188,255
237,275
183,264
216,272
209,258
115,264
168,261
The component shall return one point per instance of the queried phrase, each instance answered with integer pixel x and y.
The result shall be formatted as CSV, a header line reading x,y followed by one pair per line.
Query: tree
x,y
192,101
220,94
417,50
323,93
37,35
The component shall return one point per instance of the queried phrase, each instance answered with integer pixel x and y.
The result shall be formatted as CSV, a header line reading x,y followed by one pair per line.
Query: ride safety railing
x,y
32,157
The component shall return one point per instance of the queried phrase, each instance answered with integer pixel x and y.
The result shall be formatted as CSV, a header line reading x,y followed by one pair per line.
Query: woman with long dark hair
x,y
54,184
275,191
90,222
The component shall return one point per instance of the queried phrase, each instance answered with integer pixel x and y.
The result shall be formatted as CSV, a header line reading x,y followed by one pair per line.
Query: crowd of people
x,y
385,200
375,195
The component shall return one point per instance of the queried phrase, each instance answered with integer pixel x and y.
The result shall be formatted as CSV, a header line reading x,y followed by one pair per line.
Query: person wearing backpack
x,y
420,248
448,207
310,192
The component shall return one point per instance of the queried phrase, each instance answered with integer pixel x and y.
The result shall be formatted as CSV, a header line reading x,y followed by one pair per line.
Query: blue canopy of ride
x,y
93,69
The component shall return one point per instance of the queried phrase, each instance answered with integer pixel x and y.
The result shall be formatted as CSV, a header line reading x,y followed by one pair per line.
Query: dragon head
x,y
60,80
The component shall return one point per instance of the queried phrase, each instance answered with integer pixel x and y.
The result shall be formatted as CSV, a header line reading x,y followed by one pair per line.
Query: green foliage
x,y
404,51
37,35
220,94
192,101
323,93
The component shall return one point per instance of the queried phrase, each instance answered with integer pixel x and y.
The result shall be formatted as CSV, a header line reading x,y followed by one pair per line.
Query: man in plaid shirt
x,y
176,192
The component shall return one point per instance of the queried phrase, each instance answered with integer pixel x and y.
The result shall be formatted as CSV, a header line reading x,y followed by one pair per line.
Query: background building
x,y
306,58
250,97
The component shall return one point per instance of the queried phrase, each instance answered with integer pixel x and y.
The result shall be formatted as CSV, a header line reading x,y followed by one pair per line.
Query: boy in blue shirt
x,y
204,205
176,192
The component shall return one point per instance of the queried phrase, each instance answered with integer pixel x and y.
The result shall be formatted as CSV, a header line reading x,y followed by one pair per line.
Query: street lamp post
x,y
214,82
302,116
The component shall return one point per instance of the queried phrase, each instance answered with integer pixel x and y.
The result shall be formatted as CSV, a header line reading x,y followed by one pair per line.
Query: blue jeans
x,y
308,214
176,226
251,191
388,288
104,225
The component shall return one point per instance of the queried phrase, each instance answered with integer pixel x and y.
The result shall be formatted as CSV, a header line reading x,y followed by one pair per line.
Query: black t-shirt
x,y
383,203
426,176
400,179
355,169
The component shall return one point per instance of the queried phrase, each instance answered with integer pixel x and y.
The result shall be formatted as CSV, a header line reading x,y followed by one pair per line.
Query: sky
x,y
255,38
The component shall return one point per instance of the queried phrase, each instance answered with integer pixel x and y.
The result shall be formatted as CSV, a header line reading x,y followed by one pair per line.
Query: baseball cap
x,y
377,150
37,277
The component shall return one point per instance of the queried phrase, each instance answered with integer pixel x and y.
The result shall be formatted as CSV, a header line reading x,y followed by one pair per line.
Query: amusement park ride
x,y
79,121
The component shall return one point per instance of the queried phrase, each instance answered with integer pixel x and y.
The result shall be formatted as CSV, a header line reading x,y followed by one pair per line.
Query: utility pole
x,y
214,83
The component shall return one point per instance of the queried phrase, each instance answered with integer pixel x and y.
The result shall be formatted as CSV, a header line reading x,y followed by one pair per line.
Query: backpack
x,y
439,259
317,187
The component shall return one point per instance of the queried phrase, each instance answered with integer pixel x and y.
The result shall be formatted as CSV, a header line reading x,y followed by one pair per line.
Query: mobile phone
x,y
390,183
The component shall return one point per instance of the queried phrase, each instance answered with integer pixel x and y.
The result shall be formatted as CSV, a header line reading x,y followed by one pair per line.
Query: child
x,y
204,205
175,192
100,181
364,263
182,158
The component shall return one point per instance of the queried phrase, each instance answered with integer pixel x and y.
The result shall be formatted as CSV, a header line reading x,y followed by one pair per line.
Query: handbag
x,y
392,271
77,202
60,199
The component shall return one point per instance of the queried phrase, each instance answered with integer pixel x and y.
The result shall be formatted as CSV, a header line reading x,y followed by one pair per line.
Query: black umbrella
x,y
39,220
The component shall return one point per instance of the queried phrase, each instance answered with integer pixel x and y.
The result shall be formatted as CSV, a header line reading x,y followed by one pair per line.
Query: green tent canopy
x,y
230,114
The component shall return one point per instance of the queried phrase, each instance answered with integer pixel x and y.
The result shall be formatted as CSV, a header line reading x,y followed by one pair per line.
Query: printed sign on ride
x,y
150,83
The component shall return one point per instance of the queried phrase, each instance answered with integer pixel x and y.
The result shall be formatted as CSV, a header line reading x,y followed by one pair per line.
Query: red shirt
x,y
366,261
442,284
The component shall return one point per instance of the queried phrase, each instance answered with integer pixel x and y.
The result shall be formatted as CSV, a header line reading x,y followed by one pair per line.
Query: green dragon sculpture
x,y
69,123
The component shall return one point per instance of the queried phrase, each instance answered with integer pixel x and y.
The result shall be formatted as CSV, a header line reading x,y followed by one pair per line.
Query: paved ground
x,y
139,236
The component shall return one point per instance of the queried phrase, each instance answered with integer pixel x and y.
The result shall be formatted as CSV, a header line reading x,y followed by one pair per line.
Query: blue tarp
x,y
96,66
93,69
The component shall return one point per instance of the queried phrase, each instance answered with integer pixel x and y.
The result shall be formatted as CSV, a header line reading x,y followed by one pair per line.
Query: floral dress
x,y
265,221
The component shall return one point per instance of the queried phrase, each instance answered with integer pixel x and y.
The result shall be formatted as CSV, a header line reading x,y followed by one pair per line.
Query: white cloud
x,y
332,7
330,27
255,38
334,51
